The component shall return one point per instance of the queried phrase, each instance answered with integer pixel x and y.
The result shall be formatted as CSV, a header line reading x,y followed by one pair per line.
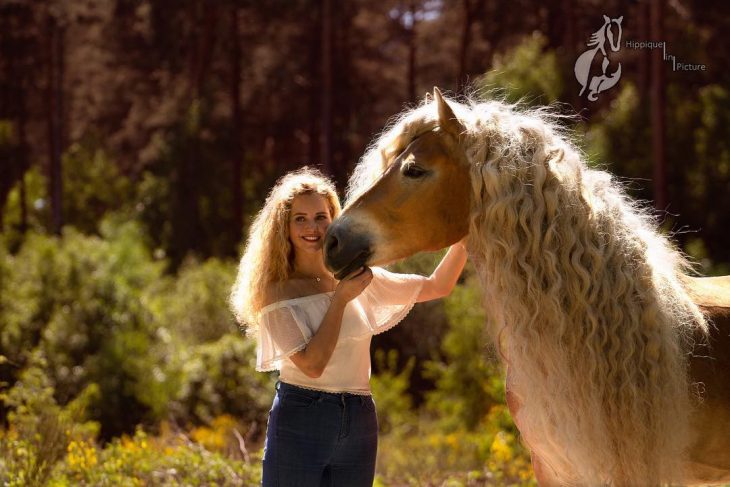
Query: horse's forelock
x,y
395,137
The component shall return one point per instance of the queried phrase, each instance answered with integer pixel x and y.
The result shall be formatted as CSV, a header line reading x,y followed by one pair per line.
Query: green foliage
x,y
422,329
464,435
37,208
142,460
39,429
194,304
709,178
619,138
527,73
467,382
220,377
698,161
7,132
394,404
430,456
92,185
96,328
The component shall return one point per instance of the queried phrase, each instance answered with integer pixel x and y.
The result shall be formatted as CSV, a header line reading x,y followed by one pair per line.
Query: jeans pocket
x,y
369,404
297,400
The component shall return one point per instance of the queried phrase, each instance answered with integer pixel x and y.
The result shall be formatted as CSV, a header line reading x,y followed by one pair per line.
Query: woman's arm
x,y
443,279
314,358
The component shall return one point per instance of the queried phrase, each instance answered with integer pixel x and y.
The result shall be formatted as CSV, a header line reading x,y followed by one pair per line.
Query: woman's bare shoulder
x,y
283,290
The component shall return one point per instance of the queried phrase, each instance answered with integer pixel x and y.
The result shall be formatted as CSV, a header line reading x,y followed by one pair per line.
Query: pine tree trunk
x,y
55,123
237,156
24,160
644,55
464,46
471,14
326,140
658,100
315,88
412,53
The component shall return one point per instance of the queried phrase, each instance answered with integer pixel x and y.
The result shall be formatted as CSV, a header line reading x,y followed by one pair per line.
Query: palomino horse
x,y
618,362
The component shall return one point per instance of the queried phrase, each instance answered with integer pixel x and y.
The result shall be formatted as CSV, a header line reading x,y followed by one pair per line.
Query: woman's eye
x,y
299,219
412,171
321,217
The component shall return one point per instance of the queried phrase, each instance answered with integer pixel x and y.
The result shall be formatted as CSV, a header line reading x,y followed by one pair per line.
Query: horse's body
x,y
603,321
709,458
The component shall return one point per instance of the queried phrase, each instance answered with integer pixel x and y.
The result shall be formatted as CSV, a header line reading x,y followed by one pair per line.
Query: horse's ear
x,y
447,120
606,19
619,20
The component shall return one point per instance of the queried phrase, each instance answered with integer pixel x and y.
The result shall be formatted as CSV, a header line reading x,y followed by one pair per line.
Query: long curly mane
x,y
589,292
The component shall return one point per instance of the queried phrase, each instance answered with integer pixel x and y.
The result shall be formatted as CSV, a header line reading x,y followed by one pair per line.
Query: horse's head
x,y
420,202
613,32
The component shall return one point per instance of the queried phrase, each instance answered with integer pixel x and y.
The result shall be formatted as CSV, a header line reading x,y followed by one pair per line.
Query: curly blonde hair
x,y
599,320
267,257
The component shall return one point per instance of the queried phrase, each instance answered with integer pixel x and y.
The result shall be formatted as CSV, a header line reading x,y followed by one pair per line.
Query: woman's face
x,y
308,222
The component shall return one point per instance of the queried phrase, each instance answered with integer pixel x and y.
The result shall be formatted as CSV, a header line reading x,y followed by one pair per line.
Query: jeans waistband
x,y
320,395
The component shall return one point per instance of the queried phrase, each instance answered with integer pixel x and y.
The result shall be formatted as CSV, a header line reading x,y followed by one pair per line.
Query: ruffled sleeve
x,y
283,331
390,297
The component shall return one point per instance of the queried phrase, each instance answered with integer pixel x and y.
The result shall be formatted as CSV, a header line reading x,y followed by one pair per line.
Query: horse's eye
x,y
414,172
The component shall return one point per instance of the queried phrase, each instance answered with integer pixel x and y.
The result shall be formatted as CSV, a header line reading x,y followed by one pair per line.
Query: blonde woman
x,y
316,331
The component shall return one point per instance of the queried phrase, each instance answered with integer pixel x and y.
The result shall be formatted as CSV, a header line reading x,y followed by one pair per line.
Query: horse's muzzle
x,y
345,250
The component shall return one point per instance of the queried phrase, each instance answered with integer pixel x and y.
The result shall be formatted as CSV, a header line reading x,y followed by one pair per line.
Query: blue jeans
x,y
318,439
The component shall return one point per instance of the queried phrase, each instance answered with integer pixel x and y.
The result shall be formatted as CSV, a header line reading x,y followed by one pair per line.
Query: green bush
x,y
528,73
39,429
390,386
468,378
143,460
220,377
193,305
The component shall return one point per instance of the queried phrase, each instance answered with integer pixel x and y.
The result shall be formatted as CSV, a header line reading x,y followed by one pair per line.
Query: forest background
x,y
138,138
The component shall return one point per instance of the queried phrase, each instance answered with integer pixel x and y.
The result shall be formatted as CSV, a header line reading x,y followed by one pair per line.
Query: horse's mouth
x,y
354,264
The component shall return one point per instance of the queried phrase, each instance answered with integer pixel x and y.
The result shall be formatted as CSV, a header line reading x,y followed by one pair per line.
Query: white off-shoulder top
x,y
285,327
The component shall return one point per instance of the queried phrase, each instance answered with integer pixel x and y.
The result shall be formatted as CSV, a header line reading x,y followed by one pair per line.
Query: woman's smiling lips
x,y
311,238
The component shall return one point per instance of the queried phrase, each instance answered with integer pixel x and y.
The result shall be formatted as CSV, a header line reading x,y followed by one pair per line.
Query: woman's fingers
x,y
358,272
355,283
353,274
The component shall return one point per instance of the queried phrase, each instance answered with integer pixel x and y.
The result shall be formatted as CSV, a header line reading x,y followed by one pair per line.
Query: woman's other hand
x,y
351,286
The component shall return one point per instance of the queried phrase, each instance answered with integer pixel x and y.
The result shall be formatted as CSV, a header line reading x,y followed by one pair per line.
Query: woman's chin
x,y
310,248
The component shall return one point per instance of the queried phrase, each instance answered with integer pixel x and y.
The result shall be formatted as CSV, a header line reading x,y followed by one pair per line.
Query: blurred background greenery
x,y
138,139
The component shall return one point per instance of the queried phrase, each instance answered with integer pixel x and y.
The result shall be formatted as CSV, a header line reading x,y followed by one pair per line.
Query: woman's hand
x,y
314,358
351,286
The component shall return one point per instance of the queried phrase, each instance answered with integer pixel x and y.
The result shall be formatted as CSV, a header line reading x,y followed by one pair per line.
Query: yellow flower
x,y
500,447
81,455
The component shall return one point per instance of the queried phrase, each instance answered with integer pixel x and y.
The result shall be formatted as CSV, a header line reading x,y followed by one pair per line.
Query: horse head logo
x,y
609,33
